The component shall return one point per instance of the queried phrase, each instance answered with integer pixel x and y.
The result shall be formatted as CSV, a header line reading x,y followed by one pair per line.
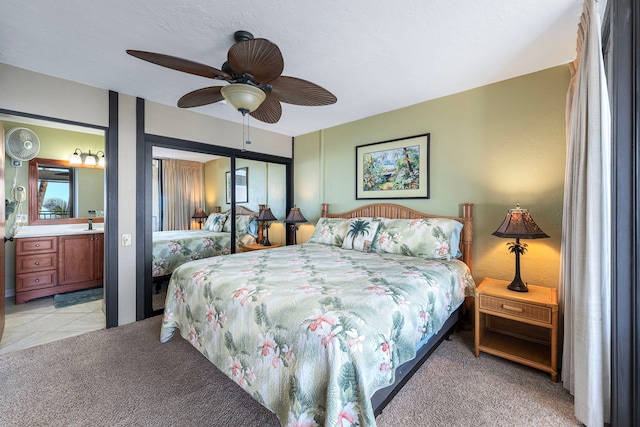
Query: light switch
x,y
126,240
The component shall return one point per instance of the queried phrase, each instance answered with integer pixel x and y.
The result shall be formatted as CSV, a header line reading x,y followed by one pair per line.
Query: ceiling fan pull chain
x,y
248,141
243,138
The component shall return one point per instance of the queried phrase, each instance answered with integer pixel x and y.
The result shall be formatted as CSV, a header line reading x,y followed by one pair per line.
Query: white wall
x,y
32,93
184,124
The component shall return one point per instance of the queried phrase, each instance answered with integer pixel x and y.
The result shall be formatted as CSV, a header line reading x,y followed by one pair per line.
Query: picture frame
x,y
242,185
394,169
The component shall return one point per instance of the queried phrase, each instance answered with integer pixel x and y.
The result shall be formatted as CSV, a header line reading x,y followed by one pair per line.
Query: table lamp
x,y
294,218
518,224
265,216
199,215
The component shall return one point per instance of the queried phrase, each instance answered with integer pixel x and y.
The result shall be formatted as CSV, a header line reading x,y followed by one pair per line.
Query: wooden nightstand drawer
x,y
514,308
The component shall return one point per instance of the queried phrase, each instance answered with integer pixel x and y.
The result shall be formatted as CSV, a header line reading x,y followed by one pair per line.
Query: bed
x,y
326,332
170,249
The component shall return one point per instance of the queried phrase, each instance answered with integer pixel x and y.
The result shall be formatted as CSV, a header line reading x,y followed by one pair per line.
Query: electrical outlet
x,y
22,218
126,240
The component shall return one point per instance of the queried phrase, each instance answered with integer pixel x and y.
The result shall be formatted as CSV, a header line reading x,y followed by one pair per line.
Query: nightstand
x,y
257,247
518,326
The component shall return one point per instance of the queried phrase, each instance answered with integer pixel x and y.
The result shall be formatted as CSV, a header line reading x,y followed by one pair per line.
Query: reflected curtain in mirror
x,y
182,192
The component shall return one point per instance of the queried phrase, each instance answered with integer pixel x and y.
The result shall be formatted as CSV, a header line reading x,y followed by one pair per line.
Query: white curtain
x,y
182,193
585,277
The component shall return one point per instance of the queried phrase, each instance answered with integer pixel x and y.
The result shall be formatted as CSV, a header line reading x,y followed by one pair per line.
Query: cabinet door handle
x,y
37,263
37,281
512,308
37,245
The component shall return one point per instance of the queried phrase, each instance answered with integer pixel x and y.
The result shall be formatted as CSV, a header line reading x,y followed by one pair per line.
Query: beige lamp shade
x,y
243,97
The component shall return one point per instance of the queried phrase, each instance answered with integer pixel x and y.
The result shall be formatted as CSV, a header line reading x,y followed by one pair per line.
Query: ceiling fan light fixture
x,y
243,97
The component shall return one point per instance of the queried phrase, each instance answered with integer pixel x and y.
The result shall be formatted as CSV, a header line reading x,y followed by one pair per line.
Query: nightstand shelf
x,y
518,326
257,247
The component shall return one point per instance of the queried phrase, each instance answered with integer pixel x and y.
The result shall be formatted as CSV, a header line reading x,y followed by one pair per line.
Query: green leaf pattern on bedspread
x,y
173,248
312,331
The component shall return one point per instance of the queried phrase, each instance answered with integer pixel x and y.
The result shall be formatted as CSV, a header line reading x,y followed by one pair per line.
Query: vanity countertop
x,y
57,230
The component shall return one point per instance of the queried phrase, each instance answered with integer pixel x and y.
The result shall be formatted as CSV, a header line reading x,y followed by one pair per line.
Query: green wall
x,y
492,146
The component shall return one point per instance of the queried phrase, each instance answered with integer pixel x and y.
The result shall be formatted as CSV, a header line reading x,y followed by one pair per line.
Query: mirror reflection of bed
x,y
184,183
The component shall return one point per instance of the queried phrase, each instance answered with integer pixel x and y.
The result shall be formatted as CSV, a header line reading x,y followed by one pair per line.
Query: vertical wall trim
x,y
625,335
290,192
141,214
111,219
321,167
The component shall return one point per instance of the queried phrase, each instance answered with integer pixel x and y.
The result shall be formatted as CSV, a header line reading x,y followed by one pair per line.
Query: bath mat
x,y
78,297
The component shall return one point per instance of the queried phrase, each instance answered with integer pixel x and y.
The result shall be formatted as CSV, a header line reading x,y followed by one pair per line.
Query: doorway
x,y
38,321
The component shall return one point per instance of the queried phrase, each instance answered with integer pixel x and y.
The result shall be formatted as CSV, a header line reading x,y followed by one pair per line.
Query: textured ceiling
x,y
375,56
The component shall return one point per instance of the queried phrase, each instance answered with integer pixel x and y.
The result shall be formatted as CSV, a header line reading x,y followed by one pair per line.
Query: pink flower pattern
x,y
348,414
247,359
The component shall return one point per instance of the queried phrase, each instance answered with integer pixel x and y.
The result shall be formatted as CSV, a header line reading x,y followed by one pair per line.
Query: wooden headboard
x,y
390,210
241,210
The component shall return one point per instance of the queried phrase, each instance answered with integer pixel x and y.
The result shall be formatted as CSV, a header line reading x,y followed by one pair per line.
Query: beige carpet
x,y
126,377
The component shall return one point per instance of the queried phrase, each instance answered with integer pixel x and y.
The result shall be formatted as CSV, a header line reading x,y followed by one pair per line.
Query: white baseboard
x,y
8,293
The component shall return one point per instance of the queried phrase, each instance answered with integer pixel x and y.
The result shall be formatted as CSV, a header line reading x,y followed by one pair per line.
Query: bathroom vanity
x,y
54,260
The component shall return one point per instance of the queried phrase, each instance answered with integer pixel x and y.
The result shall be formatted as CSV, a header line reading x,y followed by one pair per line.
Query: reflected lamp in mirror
x,y
265,216
87,159
518,224
294,218
199,215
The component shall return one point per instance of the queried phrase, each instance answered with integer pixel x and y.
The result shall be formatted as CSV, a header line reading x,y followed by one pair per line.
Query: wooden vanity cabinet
x,y
56,264
78,259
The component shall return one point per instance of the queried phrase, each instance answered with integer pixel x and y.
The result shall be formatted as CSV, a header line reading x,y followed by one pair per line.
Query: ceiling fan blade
x,y
269,111
300,92
179,64
258,57
207,95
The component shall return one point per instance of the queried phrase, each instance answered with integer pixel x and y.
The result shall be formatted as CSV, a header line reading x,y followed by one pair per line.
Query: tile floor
x,y
38,322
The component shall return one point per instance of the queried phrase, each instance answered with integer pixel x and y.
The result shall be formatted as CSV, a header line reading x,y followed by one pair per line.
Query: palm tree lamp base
x,y
517,285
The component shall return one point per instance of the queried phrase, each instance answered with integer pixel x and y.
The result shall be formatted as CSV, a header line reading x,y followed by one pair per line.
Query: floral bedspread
x,y
312,331
173,248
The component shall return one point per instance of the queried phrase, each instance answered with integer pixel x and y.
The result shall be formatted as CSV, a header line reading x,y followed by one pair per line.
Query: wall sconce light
x,y
294,218
199,215
265,216
101,160
87,159
75,158
519,224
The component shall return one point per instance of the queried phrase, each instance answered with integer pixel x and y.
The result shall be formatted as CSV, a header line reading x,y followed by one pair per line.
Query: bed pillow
x,y
215,222
330,231
361,233
245,224
433,238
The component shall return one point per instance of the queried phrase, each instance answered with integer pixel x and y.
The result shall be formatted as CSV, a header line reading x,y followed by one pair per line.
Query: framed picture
x,y
394,169
242,185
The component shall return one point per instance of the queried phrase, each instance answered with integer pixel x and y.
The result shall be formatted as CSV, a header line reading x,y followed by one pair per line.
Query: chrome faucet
x,y
90,224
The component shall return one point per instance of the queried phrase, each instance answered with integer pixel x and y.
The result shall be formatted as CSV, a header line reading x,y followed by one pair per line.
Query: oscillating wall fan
x,y
253,70
22,145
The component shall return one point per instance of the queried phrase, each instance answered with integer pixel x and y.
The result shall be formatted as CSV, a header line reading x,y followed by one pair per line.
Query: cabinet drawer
x,y
35,245
30,281
517,309
40,262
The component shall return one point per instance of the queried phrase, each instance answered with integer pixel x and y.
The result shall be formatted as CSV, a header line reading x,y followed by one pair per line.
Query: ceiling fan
x,y
253,69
